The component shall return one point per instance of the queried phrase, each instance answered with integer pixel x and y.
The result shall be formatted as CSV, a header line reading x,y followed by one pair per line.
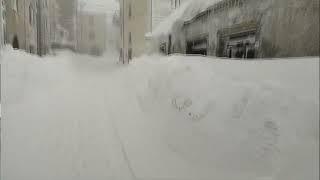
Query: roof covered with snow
x,y
186,12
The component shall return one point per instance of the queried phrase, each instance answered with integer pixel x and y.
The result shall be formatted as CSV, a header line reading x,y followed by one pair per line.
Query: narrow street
x,y
159,89
73,117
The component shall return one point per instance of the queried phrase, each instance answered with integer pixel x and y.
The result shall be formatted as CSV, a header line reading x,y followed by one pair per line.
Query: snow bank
x,y
77,117
225,119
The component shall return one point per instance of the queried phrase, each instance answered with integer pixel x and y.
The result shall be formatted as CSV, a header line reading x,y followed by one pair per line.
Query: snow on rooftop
x,y
165,26
186,12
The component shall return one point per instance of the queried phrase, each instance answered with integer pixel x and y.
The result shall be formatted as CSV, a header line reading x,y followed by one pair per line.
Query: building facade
x,y
249,29
68,22
44,29
54,22
91,35
136,21
2,22
160,10
21,24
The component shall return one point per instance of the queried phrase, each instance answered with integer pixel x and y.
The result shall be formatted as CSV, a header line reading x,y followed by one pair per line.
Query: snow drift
x,y
78,117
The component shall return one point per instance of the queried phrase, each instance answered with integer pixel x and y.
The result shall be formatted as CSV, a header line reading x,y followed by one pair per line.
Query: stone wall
x,y
291,28
19,26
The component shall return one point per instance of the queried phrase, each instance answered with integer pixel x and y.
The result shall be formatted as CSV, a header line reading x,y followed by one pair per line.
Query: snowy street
x,y
74,117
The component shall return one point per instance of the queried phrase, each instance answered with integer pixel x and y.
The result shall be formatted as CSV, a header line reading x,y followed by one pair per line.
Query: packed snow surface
x,y
72,117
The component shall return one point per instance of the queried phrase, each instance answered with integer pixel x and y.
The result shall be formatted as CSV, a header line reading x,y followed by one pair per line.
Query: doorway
x,y
15,42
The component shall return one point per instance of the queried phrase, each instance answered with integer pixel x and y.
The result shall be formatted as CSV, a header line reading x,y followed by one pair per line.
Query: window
x,y
91,21
31,49
240,3
233,3
30,15
130,39
130,53
91,36
130,11
34,17
3,11
15,5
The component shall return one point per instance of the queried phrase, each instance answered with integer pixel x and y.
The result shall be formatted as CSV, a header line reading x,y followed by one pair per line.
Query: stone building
x,y
55,27
44,29
2,22
21,24
136,21
160,10
91,35
248,29
67,20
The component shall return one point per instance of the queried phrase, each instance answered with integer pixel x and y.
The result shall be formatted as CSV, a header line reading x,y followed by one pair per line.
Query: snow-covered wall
x,y
283,27
294,29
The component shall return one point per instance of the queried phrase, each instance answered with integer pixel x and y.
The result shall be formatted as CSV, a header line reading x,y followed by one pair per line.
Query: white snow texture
x,y
72,117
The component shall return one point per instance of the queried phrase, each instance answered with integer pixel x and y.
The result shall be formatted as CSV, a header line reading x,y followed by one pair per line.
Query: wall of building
x,y
294,29
282,28
92,33
135,24
67,18
2,22
19,26
54,21
160,10
44,33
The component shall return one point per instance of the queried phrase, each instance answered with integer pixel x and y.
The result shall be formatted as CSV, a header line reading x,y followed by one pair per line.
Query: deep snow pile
x,y
76,117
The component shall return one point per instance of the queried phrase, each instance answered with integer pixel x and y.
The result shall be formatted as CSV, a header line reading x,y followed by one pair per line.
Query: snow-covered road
x,y
159,118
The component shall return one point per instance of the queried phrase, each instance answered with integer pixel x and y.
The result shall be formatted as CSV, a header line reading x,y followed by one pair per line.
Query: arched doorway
x,y
15,42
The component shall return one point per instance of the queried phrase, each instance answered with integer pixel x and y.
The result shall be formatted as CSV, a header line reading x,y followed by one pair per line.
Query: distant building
x,y
91,35
59,36
67,20
21,24
136,21
160,10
